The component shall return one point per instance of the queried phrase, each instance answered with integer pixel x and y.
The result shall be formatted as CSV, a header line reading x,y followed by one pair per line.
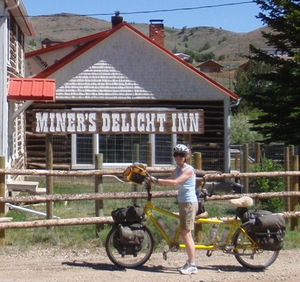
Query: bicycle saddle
x,y
242,202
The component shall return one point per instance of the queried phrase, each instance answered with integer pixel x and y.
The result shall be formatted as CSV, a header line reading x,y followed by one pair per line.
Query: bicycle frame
x,y
237,242
233,225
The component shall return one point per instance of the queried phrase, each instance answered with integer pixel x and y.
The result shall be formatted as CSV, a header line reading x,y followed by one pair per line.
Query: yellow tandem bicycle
x,y
238,240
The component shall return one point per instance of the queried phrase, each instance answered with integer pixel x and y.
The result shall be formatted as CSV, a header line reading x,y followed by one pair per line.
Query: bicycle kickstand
x,y
165,255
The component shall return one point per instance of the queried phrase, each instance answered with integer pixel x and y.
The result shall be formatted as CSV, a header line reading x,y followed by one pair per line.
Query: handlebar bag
x,y
135,173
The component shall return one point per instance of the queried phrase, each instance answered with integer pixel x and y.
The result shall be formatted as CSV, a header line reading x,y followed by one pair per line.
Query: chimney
x,y
156,31
116,19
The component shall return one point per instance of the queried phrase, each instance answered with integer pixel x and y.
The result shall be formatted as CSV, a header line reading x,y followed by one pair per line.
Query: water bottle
x,y
213,233
163,223
224,236
174,228
252,219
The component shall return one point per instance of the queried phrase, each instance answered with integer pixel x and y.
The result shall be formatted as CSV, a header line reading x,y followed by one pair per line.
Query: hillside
x,y
64,27
231,46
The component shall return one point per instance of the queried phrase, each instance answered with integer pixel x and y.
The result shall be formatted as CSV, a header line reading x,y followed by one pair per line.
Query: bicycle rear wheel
x,y
248,255
115,250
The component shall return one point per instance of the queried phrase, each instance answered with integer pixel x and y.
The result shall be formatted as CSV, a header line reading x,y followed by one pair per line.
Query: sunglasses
x,y
181,155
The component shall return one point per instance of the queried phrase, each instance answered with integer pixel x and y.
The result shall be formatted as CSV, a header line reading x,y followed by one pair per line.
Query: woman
x,y
184,178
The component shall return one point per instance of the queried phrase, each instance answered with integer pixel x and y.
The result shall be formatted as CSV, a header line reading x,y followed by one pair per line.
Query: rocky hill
x,y
64,27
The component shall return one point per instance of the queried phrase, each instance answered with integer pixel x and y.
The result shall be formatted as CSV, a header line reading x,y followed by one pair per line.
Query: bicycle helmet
x,y
181,148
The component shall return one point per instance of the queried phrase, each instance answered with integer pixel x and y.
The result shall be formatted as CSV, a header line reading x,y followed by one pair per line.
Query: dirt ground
x,y
54,264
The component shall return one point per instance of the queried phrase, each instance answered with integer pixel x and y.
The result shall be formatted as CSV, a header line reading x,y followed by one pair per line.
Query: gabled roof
x,y
97,38
75,42
210,63
24,89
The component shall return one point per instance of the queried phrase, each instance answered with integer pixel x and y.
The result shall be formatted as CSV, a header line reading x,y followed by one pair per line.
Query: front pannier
x,y
129,238
131,214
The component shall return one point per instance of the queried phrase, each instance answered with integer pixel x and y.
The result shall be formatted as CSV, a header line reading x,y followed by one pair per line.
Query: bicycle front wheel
x,y
129,258
248,254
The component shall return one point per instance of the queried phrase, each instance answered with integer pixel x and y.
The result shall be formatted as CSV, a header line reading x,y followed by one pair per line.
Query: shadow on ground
x,y
161,269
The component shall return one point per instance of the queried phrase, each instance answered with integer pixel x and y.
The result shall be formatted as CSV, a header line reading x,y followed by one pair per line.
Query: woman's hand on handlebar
x,y
151,179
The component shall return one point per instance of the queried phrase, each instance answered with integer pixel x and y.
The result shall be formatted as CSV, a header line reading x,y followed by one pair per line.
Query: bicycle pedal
x,y
209,253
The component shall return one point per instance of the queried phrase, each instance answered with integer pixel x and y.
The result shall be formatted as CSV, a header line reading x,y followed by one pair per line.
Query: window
x,y
84,147
120,149
163,149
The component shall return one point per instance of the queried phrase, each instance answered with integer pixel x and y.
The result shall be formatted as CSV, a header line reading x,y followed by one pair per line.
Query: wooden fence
x,y
98,220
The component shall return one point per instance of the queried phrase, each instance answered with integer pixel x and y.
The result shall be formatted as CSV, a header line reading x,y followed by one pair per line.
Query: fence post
x,y
257,153
246,166
198,165
295,187
237,161
198,160
2,194
99,211
150,161
136,152
287,167
49,179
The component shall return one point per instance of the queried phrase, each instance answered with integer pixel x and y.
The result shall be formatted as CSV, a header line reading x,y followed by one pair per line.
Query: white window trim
x,y
74,153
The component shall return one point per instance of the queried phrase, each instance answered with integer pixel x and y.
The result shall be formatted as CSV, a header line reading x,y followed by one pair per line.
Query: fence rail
x,y
134,195
118,172
126,195
85,221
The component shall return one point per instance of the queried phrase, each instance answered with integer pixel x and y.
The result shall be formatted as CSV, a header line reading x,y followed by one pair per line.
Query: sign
x,y
119,122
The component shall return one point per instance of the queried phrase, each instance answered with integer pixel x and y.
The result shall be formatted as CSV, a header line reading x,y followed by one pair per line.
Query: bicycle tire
x,y
248,255
129,260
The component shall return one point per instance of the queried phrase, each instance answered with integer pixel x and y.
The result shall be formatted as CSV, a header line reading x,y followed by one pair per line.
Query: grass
x,y
82,236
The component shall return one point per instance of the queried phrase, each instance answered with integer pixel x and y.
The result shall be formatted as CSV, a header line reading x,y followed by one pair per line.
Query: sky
x,y
232,15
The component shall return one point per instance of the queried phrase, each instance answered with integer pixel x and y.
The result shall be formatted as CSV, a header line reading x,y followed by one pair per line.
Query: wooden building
x,y
14,25
210,66
136,82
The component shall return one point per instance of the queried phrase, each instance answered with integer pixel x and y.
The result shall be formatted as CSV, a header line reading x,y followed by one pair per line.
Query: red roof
x,y
74,42
36,89
90,42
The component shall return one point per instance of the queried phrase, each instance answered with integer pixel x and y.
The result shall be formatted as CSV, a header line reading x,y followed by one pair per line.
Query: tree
x,y
246,82
276,90
240,129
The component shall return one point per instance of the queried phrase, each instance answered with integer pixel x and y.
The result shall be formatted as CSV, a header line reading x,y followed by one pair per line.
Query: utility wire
x,y
159,11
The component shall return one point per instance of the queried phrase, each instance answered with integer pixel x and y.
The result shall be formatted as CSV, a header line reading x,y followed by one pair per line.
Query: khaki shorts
x,y
187,213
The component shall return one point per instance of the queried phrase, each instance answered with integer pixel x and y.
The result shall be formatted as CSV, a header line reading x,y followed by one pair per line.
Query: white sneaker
x,y
185,266
188,268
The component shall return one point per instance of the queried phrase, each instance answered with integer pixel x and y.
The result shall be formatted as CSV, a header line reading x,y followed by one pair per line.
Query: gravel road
x,y
54,264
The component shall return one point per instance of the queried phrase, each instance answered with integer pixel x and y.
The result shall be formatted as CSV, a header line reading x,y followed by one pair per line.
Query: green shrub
x,y
268,184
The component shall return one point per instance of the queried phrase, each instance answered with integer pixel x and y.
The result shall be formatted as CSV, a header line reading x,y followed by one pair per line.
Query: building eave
x,y
18,11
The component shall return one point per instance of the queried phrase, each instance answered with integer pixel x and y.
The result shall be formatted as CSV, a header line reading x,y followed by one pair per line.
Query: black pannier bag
x,y
131,214
244,214
129,238
268,230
